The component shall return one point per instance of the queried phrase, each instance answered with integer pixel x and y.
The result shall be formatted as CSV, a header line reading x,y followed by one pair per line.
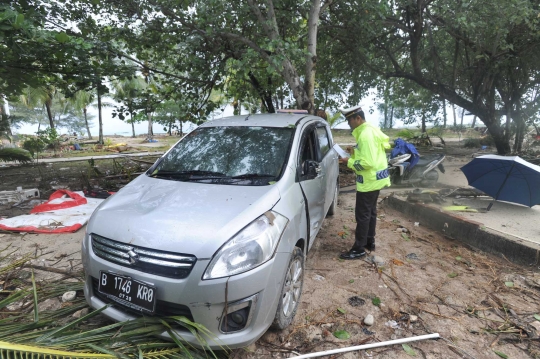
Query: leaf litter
x,y
437,290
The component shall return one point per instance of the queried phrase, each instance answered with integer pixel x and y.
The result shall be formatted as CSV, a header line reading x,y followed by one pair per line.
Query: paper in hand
x,y
341,152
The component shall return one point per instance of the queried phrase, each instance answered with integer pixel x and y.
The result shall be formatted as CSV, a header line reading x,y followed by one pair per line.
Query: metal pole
x,y
368,346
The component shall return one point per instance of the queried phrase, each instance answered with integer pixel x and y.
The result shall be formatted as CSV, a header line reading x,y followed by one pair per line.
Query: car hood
x,y
184,217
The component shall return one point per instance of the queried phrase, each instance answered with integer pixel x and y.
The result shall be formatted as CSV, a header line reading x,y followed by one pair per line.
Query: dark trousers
x,y
366,218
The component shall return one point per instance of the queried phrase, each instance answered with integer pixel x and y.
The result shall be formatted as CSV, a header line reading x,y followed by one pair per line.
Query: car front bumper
x,y
203,300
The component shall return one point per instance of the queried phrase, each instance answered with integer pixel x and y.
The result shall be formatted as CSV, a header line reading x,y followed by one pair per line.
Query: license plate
x,y
128,291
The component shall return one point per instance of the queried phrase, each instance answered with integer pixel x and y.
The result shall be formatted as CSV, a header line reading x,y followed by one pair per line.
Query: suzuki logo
x,y
133,256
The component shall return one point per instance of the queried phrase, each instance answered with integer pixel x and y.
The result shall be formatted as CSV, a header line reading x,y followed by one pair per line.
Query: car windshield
x,y
228,155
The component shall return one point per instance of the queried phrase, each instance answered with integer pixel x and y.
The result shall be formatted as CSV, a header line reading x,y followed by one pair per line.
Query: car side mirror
x,y
312,169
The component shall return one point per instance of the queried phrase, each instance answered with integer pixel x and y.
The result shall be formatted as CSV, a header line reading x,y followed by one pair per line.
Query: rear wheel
x,y
291,291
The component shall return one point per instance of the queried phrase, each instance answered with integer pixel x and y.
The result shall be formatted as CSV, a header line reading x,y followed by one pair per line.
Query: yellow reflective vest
x,y
369,158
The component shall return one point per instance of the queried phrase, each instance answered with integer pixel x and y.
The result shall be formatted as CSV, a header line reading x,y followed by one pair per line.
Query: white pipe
x,y
368,346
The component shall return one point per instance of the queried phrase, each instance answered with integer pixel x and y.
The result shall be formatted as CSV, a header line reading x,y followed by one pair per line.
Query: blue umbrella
x,y
510,179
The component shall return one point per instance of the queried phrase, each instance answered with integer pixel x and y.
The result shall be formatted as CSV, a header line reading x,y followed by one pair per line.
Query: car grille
x,y
163,308
165,264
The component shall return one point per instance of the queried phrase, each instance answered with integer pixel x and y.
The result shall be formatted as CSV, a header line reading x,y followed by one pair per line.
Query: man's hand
x,y
343,160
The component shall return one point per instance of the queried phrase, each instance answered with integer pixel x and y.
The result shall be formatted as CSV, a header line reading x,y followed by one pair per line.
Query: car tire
x,y
333,207
291,290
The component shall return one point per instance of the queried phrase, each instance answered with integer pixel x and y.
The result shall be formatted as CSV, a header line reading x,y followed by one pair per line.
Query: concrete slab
x,y
507,218
519,251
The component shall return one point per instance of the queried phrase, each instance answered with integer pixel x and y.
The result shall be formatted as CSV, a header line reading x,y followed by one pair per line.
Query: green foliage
x,y
50,138
406,134
34,145
478,142
14,154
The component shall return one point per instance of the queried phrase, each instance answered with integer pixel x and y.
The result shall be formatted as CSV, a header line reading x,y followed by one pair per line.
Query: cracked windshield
x,y
228,155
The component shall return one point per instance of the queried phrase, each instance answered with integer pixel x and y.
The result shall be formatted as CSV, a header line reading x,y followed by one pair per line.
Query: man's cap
x,y
348,112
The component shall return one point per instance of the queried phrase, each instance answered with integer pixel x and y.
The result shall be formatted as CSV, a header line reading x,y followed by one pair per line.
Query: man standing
x,y
371,167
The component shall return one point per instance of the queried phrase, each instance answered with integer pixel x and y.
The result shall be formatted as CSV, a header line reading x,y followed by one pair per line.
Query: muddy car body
x,y
218,229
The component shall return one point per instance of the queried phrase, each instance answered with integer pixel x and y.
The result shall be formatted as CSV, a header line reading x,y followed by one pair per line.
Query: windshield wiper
x,y
253,175
205,174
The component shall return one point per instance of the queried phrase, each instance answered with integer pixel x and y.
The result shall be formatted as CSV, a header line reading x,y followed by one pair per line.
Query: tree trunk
x,y
311,57
264,94
454,113
100,118
507,125
444,112
473,121
423,123
132,125
86,123
385,124
495,131
462,115
48,103
150,123
391,117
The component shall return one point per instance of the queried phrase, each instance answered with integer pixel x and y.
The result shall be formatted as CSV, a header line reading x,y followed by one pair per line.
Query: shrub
x,y
478,142
406,134
33,145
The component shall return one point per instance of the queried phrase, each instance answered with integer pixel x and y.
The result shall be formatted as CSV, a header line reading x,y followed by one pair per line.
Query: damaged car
x,y
218,229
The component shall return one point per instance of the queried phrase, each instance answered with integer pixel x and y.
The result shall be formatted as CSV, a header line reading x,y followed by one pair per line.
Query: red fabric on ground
x,y
77,200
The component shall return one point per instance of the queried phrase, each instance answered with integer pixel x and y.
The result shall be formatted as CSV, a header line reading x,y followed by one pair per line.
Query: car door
x,y
311,177
329,164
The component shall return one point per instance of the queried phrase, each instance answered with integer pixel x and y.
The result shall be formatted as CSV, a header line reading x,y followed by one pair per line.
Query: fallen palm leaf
x,y
9,350
53,333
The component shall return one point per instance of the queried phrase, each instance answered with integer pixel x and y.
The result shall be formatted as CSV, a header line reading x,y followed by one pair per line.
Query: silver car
x,y
217,230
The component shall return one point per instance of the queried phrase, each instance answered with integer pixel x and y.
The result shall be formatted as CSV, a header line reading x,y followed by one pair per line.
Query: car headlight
x,y
250,248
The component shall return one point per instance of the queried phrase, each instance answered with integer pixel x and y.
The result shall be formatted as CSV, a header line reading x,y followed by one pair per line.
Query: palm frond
x,y
8,350
15,154
29,333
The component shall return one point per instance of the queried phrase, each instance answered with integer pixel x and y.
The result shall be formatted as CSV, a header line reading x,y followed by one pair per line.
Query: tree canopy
x,y
419,55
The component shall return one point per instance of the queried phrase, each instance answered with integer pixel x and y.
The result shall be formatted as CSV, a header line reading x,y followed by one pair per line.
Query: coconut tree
x,y
127,92
82,100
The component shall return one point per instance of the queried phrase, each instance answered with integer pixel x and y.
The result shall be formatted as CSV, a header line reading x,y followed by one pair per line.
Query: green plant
x,y
406,134
14,154
478,142
50,137
108,142
34,145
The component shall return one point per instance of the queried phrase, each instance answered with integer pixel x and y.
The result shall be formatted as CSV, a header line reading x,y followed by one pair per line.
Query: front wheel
x,y
291,291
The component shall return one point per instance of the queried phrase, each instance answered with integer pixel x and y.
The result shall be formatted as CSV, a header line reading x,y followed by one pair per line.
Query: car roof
x,y
261,120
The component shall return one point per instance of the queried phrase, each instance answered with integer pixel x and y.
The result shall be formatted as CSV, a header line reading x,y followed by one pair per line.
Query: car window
x,y
324,142
308,151
223,153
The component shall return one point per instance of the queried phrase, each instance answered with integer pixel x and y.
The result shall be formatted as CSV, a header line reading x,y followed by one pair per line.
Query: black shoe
x,y
370,247
353,254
